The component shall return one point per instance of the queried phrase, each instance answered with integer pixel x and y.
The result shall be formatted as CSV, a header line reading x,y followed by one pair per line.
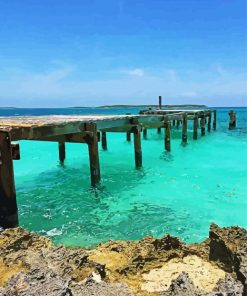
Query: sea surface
x,y
180,193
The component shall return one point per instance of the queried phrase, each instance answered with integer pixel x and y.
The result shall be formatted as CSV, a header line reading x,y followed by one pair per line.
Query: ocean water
x,y
180,193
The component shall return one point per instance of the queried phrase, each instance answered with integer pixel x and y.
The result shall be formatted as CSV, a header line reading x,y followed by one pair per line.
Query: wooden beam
x,y
195,127
138,147
232,119
173,122
209,121
159,130
184,129
15,151
214,121
168,136
61,151
203,125
104,140
178,123
128,137
145,133
8,203
93,154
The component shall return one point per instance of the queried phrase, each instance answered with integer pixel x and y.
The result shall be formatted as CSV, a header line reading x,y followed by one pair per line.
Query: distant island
x,y
145,106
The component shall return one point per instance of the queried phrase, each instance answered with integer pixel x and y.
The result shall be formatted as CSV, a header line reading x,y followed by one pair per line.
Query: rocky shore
x,y
31,265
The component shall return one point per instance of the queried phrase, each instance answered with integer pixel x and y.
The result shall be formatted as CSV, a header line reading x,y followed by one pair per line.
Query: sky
x,y
60,53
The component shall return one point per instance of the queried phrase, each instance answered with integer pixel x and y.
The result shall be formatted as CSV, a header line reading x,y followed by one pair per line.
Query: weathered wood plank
x,y
8,204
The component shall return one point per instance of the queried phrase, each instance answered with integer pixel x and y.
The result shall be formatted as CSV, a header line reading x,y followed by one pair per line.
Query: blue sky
x,y
94,52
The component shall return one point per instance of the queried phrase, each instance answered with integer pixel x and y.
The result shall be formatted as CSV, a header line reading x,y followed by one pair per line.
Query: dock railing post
x,y
8,203
203,125
214,121
93,154
184,129
232,119
167,136
61,150
137,147
195,127
104,141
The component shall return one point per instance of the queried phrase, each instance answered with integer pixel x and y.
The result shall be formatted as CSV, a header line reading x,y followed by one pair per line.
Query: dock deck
x,y
88,129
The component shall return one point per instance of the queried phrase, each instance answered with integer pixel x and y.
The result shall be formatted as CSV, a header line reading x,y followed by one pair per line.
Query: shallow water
x,y
181,192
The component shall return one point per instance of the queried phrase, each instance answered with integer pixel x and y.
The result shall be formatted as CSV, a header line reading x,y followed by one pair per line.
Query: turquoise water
x,y
181,192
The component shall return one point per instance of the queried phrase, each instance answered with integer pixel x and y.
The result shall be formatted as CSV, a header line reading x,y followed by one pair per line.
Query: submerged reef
x,y
32,265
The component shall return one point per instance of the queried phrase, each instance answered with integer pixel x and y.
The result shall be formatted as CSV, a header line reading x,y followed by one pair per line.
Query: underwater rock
x,y
32,265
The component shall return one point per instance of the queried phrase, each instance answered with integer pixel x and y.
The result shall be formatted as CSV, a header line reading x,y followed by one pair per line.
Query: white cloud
x,y
135,72
58,87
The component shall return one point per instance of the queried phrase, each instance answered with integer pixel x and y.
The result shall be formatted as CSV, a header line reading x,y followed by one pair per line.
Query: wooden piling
x,y
160,102
61,150
195,127
145,133
104,141
173,122
184,129
178,123
209,122
232,119
203,125
93,154
159,130
8,204
128,136
168,136
214,121
137,147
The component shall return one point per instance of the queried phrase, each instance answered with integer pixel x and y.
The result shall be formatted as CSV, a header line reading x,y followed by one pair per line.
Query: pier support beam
x,y
209,122
195,128
214,121
178,123
184,129
128,137
138,147
173,122
203,125
168,136
61,150
232,119
159,130
145,133
104,141
8,204
93,150
160,102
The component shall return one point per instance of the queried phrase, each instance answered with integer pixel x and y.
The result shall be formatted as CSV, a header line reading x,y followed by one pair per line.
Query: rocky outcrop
x,y
32,265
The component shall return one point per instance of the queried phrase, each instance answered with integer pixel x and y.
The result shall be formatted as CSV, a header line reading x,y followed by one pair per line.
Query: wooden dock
x,y
89,130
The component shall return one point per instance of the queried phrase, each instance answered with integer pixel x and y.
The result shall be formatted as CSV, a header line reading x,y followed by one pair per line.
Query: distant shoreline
x,y
124,106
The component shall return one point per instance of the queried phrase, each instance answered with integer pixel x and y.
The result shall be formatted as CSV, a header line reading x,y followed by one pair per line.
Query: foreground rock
x,y
32,265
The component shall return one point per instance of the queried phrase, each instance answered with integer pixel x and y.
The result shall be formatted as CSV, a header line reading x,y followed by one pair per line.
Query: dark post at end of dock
x,y
160,102
232,119
8,204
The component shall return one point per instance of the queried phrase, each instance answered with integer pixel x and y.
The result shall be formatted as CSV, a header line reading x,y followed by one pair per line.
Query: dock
x,y
90,130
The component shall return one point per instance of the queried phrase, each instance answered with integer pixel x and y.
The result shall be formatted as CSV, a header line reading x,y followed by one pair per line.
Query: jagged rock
x,y
37,283
229,246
